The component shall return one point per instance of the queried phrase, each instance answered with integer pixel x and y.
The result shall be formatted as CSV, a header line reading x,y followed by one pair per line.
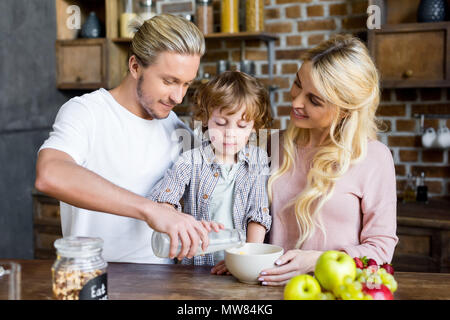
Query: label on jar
x,y
95,289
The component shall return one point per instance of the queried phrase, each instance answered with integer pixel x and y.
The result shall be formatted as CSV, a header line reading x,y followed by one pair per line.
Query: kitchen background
x,y
32,90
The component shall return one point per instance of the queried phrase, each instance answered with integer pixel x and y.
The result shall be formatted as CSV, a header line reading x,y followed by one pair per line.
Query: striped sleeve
x,y
258,207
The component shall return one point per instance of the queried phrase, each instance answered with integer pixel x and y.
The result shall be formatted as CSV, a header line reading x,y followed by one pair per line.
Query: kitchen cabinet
x,y
46,225
89,63
81,63
424,236
102,62
409,54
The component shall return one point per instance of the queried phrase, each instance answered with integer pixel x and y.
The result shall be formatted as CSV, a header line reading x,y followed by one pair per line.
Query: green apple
x,y
302,287
332,267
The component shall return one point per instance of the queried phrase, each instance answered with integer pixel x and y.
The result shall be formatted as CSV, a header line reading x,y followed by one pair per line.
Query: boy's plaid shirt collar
x,y
208,155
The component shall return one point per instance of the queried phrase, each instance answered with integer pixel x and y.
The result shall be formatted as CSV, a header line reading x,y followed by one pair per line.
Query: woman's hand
x,y
292,263
220,268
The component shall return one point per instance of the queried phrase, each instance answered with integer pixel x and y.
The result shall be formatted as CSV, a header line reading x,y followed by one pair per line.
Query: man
x,y
108,148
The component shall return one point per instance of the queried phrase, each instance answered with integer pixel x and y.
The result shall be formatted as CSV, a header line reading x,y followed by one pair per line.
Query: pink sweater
x,y
359,218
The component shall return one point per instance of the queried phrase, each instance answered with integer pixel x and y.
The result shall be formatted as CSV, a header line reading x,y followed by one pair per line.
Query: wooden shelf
x,y
242,36
264,36
121,40
102,62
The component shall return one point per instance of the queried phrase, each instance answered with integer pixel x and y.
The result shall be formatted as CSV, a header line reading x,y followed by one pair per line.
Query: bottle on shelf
x,y
229,12
126,18
422,189
409,194
204,16
254,15
224,239
146,9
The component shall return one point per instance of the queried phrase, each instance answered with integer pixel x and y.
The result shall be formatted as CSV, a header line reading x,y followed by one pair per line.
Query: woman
x,y
335,188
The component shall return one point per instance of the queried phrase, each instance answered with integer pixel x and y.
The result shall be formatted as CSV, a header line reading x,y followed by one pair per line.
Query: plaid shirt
x,y
194,176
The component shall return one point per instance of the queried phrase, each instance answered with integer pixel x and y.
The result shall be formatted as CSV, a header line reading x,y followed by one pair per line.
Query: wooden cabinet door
x,y
46,225
418,249
412,55
81,64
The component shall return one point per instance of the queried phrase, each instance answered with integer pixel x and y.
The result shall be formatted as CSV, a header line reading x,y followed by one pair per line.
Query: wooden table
x,y
173,282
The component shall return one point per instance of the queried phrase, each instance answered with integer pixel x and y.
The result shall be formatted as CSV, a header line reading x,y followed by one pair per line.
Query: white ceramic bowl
x,y
245,263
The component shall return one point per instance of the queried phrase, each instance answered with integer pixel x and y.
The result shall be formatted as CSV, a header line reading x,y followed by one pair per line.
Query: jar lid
x,y
204,1
146,3
78,246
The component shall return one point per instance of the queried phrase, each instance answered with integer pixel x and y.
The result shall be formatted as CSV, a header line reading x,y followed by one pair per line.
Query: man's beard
x,y
144,104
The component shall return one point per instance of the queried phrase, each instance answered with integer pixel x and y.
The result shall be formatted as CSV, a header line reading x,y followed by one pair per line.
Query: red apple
x,y
378,292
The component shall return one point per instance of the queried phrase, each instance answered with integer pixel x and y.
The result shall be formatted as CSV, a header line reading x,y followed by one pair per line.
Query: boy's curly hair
x,y
228,92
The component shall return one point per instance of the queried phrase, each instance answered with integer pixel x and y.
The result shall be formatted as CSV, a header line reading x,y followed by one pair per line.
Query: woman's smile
x,y
297,114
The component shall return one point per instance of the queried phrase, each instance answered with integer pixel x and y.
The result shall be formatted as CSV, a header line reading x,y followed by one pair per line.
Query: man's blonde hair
x,y
163,33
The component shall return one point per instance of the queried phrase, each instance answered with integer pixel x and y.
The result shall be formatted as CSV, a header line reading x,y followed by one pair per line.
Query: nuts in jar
x,y
68,284
79,272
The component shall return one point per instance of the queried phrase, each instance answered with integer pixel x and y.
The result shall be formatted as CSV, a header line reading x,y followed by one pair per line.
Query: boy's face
x,y
228,133
162,85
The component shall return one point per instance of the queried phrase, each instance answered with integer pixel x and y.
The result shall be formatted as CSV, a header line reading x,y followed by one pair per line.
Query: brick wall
x,y
301,24
403,135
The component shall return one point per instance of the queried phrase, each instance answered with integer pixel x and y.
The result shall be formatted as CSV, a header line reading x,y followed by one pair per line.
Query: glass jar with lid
x,y
126,19
229,12
254,15
204,16
146,10
79,271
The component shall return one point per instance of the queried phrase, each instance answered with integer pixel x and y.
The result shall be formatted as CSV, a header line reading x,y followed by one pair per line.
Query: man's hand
x,y
59,176
182,228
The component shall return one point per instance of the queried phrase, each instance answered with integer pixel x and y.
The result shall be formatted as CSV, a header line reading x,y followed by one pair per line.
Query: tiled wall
x,y
301,24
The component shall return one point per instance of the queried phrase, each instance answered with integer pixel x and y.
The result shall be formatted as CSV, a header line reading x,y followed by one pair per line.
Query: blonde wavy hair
x,y
346,77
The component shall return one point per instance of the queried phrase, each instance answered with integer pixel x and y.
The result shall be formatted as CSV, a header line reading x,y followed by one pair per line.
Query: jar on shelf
x,y
229,12
146,10
204,16
79,271
254,15
126,18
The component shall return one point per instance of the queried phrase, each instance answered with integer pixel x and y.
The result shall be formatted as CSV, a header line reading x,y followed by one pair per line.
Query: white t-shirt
x,y
131,152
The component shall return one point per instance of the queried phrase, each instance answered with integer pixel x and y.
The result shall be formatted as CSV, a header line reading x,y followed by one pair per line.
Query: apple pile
x,y
338,276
